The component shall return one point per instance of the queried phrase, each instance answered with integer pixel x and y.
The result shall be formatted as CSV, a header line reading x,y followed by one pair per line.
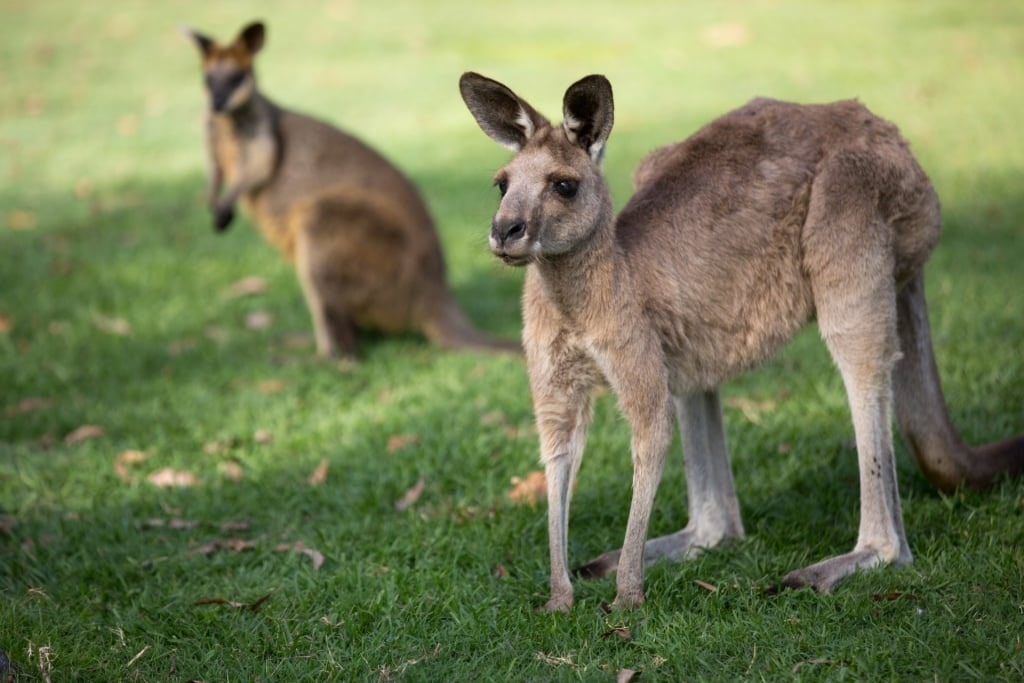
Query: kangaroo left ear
x,y
589,112
203,42
253,36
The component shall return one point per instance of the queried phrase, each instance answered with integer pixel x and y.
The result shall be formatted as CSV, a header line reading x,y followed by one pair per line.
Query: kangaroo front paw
x,y
222,216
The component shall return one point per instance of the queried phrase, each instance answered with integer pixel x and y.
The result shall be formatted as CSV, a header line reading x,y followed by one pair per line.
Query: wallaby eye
x,y
567,188
502,186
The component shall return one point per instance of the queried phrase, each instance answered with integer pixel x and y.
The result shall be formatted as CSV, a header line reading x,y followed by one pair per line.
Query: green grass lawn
x,y
281,555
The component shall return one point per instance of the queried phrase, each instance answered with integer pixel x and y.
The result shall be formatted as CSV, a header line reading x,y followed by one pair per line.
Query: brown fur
x,y
361,238
769,216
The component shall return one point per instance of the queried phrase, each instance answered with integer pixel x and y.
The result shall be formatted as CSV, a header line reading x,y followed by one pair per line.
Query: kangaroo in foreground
x,y
769,216
357,231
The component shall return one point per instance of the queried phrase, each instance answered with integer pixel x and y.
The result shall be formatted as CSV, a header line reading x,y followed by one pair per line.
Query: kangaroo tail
x,y
448,327
921,411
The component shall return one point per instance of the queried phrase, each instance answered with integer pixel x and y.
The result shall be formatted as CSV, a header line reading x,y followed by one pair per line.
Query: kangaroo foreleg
x,y
714,514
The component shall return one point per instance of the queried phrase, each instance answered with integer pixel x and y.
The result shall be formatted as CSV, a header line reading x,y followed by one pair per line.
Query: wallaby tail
x,y
448,327
921,411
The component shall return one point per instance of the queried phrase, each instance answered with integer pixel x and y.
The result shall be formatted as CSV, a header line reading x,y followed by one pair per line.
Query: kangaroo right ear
x,y
507,119
253,36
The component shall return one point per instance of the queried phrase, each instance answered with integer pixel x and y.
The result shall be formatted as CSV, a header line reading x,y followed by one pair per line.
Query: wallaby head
x,y
553,194
228,69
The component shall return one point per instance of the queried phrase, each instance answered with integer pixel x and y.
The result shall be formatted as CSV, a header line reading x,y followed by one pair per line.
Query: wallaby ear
x,y
589,113
507,119
253,37
203,42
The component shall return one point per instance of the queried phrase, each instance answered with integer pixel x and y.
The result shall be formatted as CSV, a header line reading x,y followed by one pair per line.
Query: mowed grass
x,y
116,311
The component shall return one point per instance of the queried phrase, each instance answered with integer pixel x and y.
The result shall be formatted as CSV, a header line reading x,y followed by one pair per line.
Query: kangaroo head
x,y
553,195
228,69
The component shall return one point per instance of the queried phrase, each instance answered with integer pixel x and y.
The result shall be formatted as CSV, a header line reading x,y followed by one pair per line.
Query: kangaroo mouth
x,y
512,257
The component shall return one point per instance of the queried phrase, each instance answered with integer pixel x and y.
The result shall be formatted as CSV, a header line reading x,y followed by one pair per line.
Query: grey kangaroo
x,y
767,217
360,237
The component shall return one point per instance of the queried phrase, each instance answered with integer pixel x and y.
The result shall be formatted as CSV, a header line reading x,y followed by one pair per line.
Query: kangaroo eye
x,y
502,186
566,188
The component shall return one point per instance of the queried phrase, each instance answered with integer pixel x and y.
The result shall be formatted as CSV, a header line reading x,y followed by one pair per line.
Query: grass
x,y
114,312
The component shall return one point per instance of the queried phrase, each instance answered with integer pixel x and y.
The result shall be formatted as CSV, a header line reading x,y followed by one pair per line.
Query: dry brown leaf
x,y
399,441
495,417
21,219
299,547
5,323
626,675
219,446
126,458
118,326
168,477
412,495
232,471
271,386
319,473
28,405
234,603
180,346
620,631
247,286
232,545
84,432
725,35
258,320
235,525
216,333
555,660
262,436
751,408
529,491
172,523
500,572
706,586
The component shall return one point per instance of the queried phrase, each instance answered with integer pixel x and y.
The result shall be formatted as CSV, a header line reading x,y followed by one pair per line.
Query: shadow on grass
x,y
145,255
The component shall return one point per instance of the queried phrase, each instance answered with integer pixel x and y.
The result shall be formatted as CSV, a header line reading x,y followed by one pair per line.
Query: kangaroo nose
x,y
508,231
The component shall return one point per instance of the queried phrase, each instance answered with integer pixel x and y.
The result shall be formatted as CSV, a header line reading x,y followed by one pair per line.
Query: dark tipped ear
x,y
507,119
204,43
589,114
253,36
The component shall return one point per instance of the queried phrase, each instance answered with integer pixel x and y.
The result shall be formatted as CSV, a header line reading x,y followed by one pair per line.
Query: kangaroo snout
x,y
505,232
510,241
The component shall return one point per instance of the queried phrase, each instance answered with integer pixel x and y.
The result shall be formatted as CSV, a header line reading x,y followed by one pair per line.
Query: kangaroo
x,y
360,237
767,217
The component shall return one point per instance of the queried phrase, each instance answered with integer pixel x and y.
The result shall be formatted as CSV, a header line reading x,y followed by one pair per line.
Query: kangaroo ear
x,y
252,36
204,43
507,119
589,113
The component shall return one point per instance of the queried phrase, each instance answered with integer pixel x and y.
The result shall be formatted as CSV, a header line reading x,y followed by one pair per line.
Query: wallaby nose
x,y
508,231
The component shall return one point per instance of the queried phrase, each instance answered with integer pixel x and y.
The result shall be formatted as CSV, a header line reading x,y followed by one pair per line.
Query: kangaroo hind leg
x,y
856,305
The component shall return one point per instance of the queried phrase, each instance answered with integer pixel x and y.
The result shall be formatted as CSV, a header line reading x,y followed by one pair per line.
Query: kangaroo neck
x,y
589,278
255,116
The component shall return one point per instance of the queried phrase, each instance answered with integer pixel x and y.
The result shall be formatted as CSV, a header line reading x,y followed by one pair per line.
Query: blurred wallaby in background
x,y
357,231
